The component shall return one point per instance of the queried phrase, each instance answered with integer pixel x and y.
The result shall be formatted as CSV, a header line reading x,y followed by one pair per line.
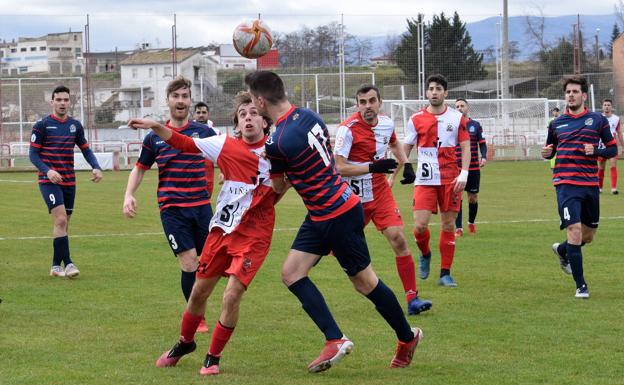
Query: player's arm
x,y
610,143
397,150
37,138
147,124
88,154
550,148
134,181
278,168
482,146
410,138
464,143
618,131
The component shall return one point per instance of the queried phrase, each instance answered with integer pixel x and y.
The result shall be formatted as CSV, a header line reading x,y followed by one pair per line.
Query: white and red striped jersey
x,y
246,199
435,137
360,143
614,124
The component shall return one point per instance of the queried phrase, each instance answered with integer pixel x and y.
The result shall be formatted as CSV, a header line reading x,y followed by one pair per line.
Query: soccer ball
x,y
252,39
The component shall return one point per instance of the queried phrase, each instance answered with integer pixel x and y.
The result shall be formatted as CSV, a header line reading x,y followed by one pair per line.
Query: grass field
x,y
512,320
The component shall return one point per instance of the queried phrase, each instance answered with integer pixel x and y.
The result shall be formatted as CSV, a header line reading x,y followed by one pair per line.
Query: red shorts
x,y
233,254
383,211
431,197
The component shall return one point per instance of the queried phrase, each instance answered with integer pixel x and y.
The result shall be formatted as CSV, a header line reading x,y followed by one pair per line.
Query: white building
x,y
55,53
146,74
228,58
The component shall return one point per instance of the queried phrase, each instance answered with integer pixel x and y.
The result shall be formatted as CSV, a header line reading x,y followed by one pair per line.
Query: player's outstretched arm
x,y
346,169
147,124
462,178
134,181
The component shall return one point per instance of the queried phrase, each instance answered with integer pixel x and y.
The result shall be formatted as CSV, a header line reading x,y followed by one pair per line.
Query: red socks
x,y
189,326
613,178
220,337
422,240
407,273
447,249
601,173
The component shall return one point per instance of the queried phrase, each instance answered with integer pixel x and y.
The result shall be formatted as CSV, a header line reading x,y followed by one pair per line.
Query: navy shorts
x,y
55,195
474,180
343,235
578,204
186,227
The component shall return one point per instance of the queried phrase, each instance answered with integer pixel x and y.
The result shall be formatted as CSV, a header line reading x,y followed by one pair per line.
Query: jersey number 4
x,y
318,141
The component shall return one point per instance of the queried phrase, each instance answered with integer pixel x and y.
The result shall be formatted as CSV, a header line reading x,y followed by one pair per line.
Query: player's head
x,y
369,102
607,106
201,112
248,122
555,111
60,101
436,89
461,105
179,98
575,89
266,88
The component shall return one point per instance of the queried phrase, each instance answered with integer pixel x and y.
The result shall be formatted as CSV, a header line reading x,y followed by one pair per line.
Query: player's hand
x,y
589,149
391,180
54,176
145,124
221,178
97,175
482,162
408,174
129,206
460,181
547,151
383,166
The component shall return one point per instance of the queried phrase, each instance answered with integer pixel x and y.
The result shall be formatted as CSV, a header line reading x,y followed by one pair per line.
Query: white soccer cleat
x,y
582,292
71,271
57,271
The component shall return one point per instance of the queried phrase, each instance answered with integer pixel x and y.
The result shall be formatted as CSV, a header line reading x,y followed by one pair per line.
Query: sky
x,y
126,23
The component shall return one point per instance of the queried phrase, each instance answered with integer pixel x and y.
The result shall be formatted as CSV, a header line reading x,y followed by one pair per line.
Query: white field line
x,y
16,181
287,229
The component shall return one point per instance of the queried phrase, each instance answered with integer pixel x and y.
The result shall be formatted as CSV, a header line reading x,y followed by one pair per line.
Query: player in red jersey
x,y
183,197
52,151
363,139
240,231
299,150
435,131
616,131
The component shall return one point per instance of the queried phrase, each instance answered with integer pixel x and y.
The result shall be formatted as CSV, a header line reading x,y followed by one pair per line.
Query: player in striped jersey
x,y
575,137
364,139
183,198
300,154
616,131
240,231
477,145
52,152
201,114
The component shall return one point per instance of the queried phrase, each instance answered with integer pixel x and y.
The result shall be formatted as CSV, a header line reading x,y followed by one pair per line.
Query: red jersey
x,y
435,136
360,143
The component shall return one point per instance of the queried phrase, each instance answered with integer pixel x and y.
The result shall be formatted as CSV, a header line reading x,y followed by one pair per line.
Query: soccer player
x,y
477,145
201,114
52,152
240,231
183,198
362,142
574,137
435,131
299,150
616,132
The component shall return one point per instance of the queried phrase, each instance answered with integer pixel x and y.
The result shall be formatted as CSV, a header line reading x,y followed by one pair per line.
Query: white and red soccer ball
x,y
252,39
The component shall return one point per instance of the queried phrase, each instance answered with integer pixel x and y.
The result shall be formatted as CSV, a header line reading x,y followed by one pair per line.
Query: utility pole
x,y
505,52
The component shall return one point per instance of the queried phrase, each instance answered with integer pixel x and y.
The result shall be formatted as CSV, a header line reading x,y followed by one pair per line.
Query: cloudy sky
x,y
125,23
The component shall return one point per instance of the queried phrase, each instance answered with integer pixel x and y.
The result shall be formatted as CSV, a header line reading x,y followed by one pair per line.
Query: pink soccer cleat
x,y
171,357
333,352
405,350
211,366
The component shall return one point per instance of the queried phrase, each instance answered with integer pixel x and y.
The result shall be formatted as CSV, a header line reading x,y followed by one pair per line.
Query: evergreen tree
x,y
615,33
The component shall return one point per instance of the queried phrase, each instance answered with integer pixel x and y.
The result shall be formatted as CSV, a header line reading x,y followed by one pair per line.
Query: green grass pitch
x,y
512,320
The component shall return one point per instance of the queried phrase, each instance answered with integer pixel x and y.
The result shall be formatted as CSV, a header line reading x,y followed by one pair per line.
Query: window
x,y
55,49
75,37
135,73
42,48
151,73
78,50
67,49
13,50
33,48
23,49
167,70
196,73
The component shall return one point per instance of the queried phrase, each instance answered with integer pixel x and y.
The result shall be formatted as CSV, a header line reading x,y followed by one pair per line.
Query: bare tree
x,y
534,28
618,9
390,45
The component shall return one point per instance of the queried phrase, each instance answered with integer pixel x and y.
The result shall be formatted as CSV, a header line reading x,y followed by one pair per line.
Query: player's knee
x,y
588,237
231,300
189,263
473,198
448,226
420,228
574,234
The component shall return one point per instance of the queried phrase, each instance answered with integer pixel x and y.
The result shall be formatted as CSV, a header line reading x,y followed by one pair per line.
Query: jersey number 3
x,y
317,140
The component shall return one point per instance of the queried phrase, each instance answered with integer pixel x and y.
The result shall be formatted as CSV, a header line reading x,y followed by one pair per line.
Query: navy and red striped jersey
x,y
53,140
181,175
568,134
300,148
476,138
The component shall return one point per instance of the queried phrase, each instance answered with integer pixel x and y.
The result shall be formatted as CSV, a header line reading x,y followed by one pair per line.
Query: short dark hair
x,y
576,79
461,100
366,88
437,78
201,104
244,97
60,90
555,109
177,84
607,100
266,84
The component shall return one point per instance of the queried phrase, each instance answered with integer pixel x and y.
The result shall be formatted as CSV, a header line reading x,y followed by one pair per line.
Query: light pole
x,y
597,51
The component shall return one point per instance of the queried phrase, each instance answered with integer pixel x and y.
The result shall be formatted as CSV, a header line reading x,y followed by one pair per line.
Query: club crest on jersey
x,y
449,127
589,122
72,128
269,141
471,129
295,116
195,135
